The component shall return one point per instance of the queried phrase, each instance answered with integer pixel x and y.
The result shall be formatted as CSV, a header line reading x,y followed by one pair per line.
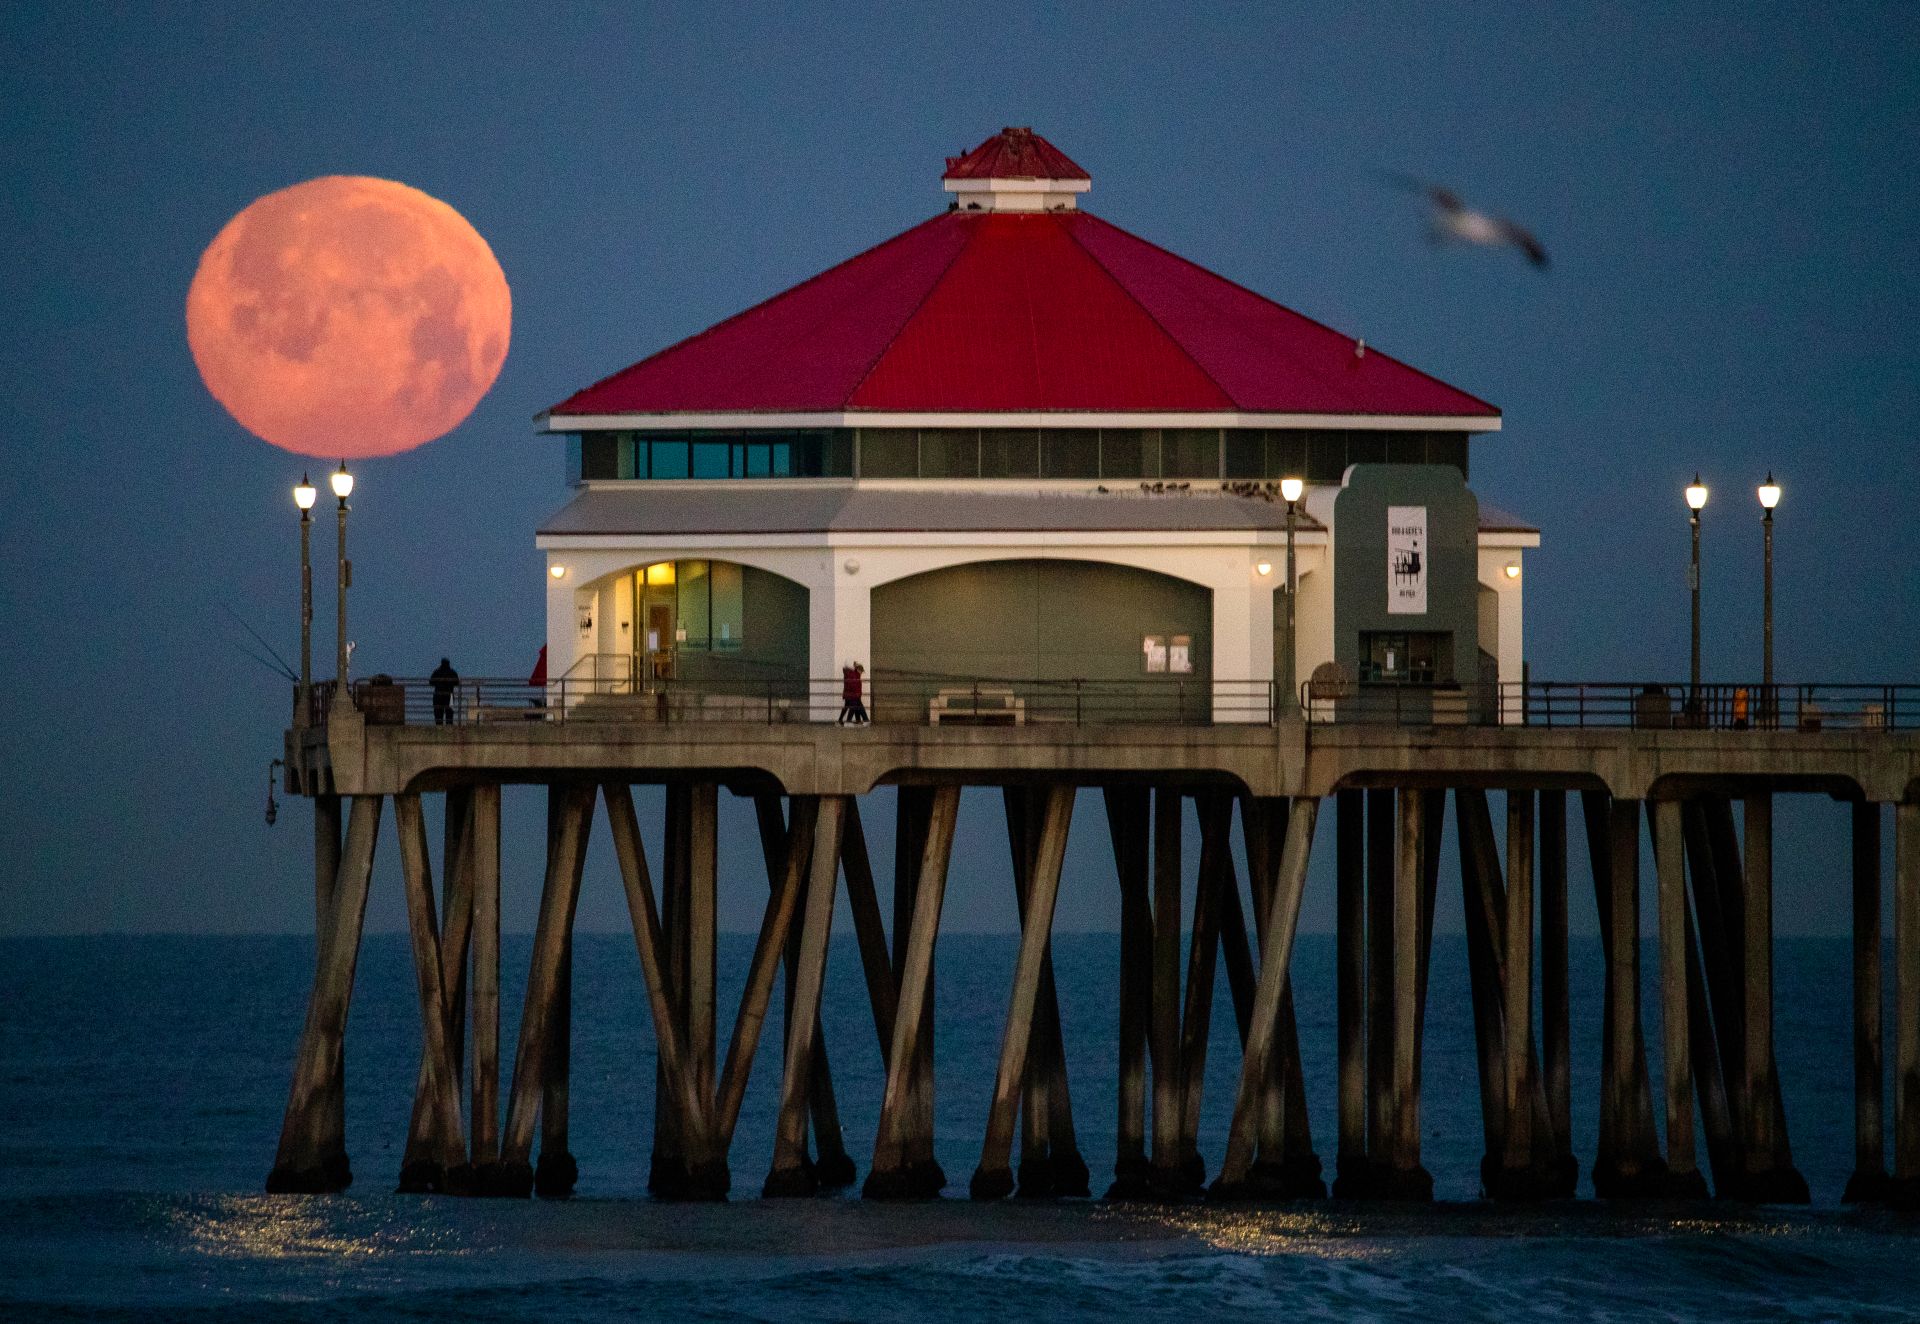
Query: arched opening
x,y
1055,624
702,623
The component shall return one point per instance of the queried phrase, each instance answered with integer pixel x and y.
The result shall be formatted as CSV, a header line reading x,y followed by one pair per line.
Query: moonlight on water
x,y
349,316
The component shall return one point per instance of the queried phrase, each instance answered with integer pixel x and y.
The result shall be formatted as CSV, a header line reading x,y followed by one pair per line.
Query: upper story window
x,y
1202,454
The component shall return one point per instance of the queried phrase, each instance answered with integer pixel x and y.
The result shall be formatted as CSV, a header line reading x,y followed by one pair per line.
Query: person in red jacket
x,y
852,709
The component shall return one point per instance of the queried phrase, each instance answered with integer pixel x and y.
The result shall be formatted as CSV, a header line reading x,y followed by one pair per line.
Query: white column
x,y
1233,665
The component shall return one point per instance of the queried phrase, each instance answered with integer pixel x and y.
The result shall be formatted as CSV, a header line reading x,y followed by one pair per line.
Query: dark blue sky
x,y
1728,193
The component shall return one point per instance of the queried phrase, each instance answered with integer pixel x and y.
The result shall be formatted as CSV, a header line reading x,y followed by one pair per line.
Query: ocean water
x,y
142,1081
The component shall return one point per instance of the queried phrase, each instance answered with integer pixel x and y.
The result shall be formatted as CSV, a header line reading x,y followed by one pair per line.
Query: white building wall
x,y
840,573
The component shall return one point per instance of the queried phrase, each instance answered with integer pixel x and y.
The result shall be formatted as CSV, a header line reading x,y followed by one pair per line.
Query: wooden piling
x,y
1869,1179
1129,818
1905,1190
994,1177
436,1156
1517,977
1164,1033
1555,1010
484,844
540,1019
1381,826
702,1171
790,1175
831,1166
1350,944
312,1155
1214,811
898,1172
1404,1177
1256,1063
1676,1058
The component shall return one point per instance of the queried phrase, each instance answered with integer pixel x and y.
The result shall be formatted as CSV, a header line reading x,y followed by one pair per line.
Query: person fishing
x,y
445,680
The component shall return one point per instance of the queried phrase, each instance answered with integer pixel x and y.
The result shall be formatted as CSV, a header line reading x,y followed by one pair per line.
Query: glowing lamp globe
x,y
1696,493
1769,492
341,482
348,316
1291,488
305,494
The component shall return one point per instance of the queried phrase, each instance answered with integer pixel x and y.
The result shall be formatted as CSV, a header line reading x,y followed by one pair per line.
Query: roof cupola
x,y
1015,170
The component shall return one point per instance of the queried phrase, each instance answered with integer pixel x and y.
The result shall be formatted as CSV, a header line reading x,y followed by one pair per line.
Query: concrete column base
x,y
554,1179
1058,1174
425,1177
1776,1185
1296,1178
330,1177
792,1183
1867,1186
991,1184
1629,1180
909,1181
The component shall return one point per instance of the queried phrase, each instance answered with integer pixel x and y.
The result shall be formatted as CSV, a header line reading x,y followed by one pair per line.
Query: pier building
x,y
1037,477
1017,441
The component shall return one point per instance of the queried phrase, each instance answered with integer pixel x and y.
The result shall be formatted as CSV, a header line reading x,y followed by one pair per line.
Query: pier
x,y
1699,783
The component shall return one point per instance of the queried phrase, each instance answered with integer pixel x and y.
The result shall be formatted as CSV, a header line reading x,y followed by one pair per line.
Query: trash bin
x,y
1653,707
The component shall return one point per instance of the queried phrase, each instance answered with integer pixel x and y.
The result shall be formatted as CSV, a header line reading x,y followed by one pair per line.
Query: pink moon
x,y
349,317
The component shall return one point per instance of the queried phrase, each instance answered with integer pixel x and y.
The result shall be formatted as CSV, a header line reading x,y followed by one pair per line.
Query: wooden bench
x,y
978,706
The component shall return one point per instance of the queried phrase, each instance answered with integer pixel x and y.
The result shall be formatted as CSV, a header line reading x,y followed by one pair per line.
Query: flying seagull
x,y
1453,220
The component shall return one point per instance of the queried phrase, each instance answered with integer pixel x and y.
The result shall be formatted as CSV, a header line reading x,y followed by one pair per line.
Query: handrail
x,y
1649,705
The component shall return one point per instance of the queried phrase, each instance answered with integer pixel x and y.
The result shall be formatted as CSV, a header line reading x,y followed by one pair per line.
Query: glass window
x,y
1010,453
949,453
1129,453
1286,453
694,601
667,457
836,457
779,458
727,603
889,453
598,455
1190,453
710,459
1448,448
1069,453
1246,453
1326,456
1370,447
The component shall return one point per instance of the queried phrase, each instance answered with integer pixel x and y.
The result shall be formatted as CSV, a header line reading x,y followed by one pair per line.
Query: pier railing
x,y
889,699
1652,705
935,700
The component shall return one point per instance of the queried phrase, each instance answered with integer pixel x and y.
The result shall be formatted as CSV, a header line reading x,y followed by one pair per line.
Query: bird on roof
x,y
1452,221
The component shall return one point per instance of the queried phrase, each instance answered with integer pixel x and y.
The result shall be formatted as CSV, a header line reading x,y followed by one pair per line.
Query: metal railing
x,y
1650,705
887,699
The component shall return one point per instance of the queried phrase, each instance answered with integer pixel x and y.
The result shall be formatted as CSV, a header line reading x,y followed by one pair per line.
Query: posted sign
x,y
1406,560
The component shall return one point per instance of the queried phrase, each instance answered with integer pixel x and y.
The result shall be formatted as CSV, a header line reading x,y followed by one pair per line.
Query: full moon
x,y
349,317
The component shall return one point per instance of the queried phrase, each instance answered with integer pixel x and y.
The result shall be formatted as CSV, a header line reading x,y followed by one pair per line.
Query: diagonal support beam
x,y
436,1154
894,1174
312,1156
790,1175
994,1177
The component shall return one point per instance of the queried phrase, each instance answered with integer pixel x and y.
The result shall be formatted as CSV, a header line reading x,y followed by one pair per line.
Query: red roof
x,y
1014,154
985,312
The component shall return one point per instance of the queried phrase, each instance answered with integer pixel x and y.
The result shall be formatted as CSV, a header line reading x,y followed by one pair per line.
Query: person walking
x,y
445,680
852,710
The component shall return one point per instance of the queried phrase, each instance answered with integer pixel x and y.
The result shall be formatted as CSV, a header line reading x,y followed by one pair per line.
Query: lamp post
x,y
342,484
304,495
1696,498
1769,498
1291,488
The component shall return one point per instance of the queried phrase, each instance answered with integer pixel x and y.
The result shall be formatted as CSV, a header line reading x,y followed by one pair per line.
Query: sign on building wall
x,y
1407,560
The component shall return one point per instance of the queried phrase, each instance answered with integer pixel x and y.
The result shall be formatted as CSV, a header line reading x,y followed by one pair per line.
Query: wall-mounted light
x,y
1264,568
557,571
1513,570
